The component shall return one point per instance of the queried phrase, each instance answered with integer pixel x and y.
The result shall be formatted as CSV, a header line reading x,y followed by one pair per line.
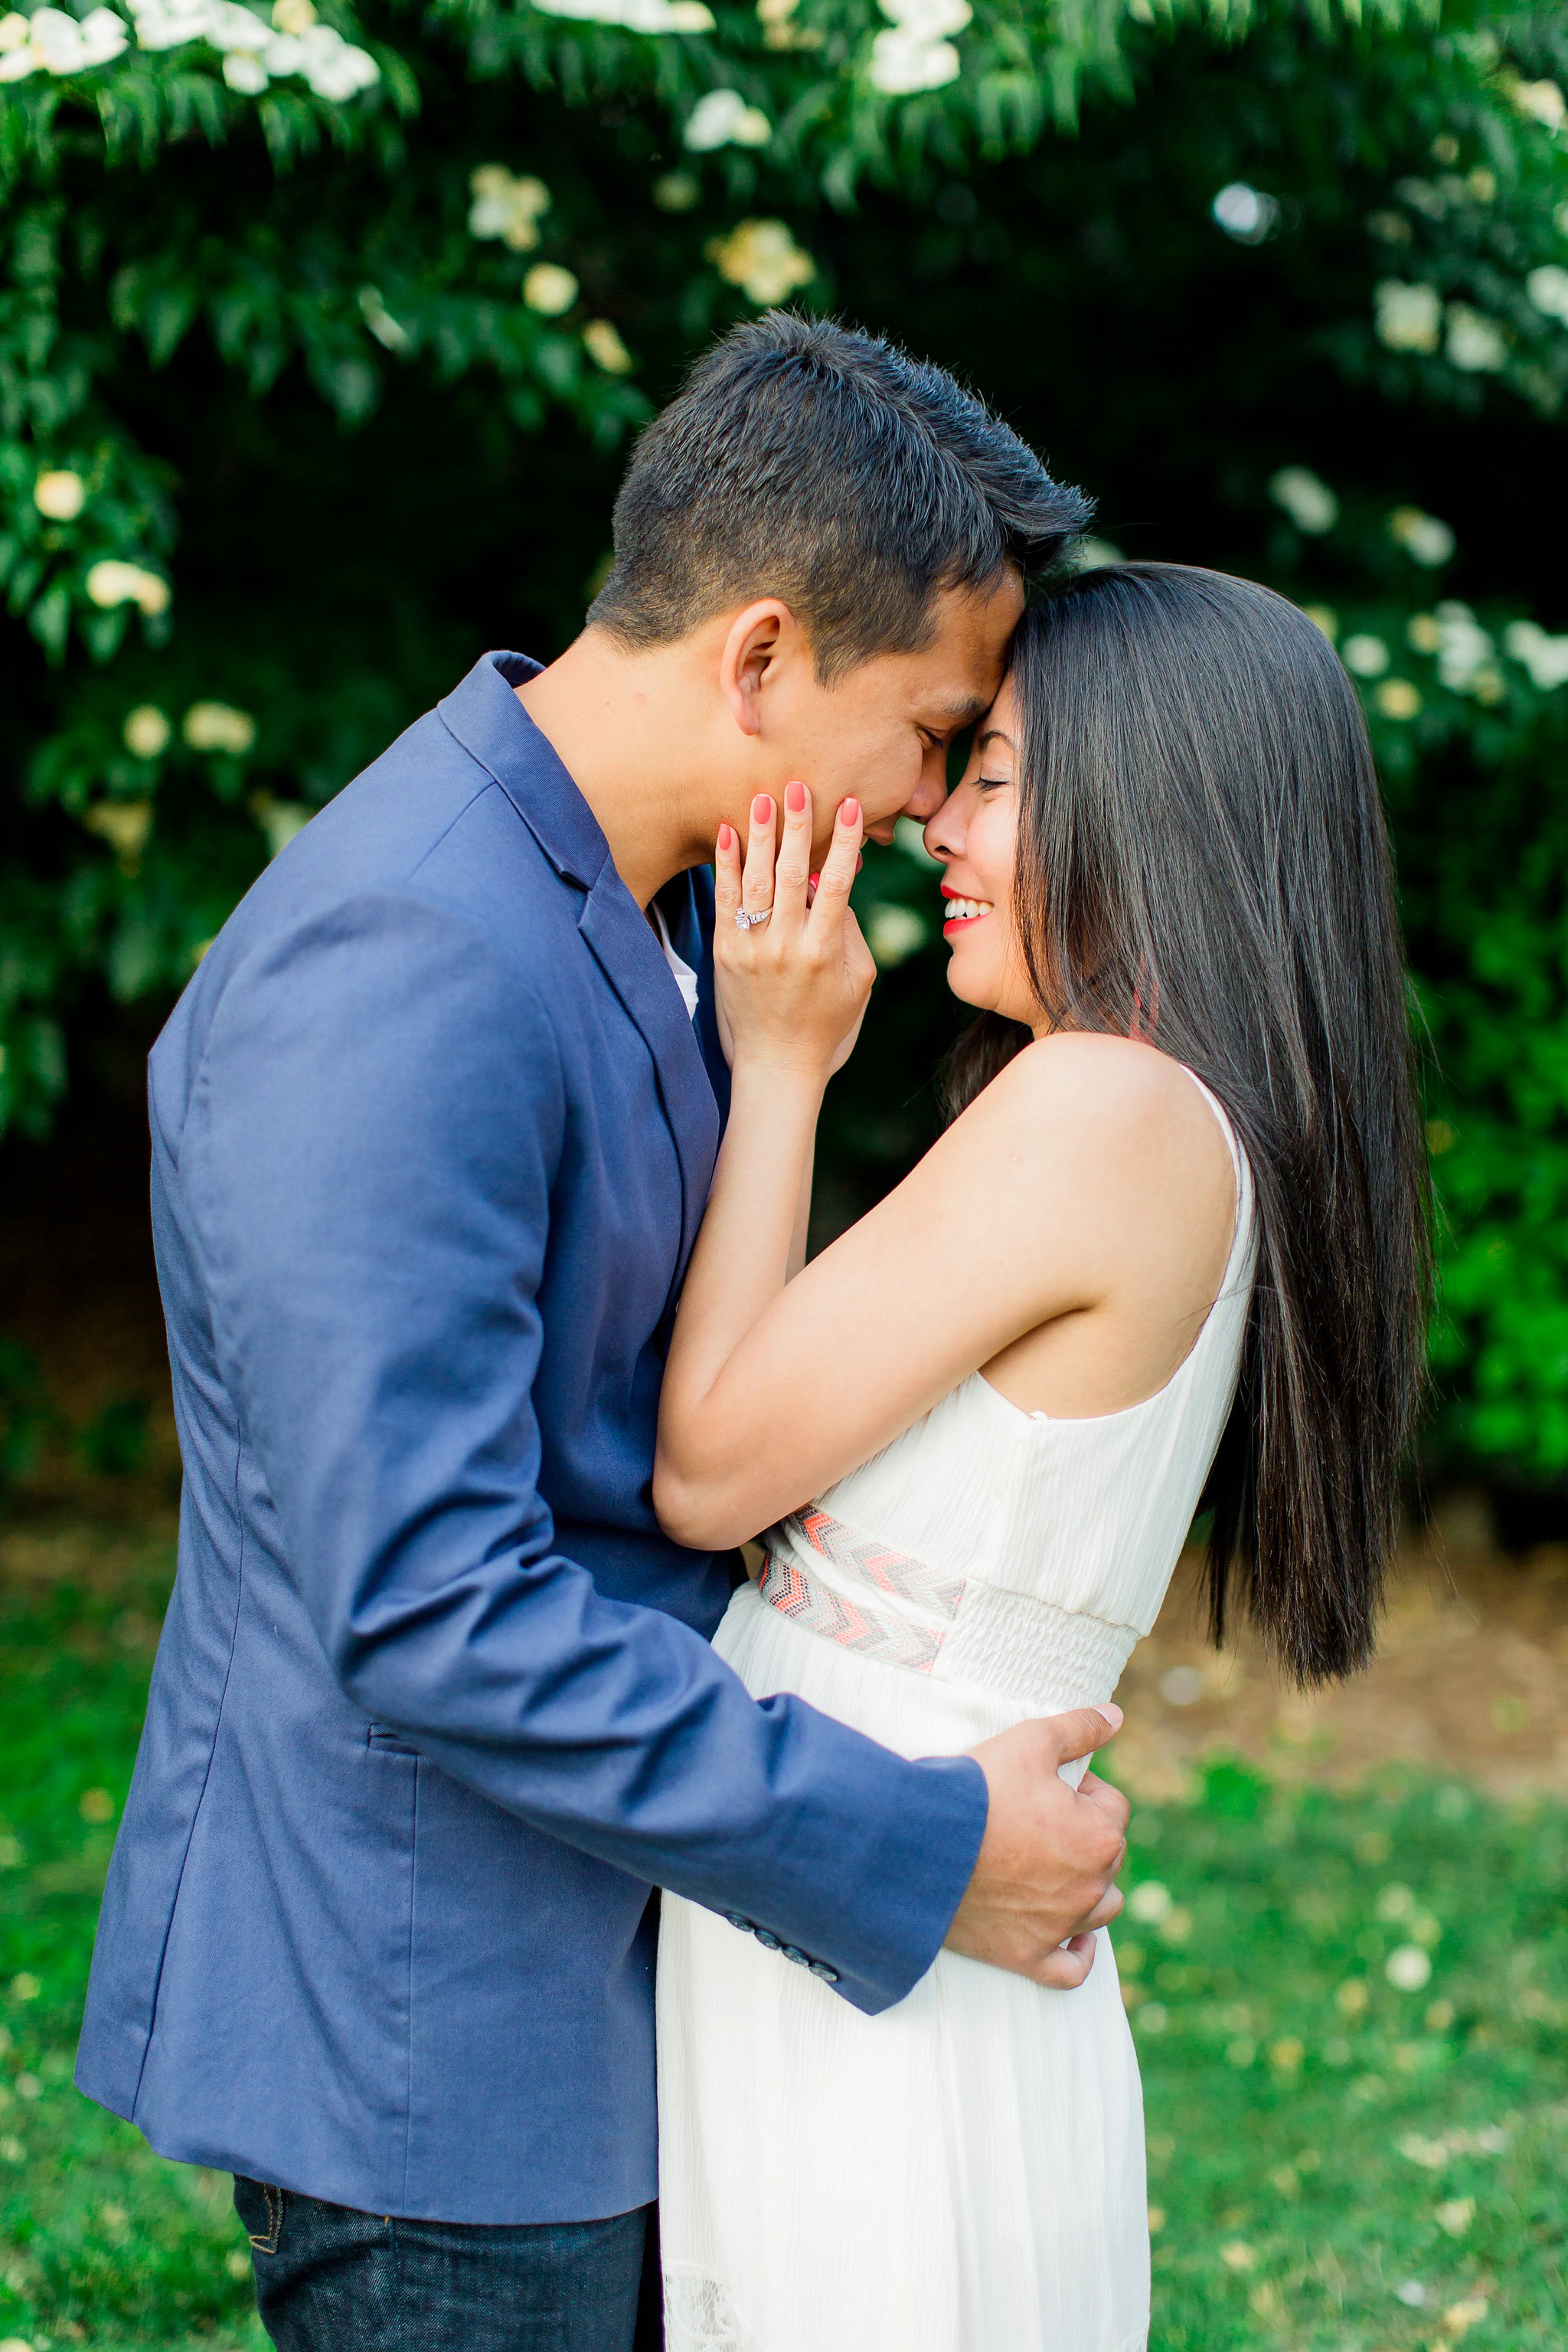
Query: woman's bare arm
x,y
1083,1185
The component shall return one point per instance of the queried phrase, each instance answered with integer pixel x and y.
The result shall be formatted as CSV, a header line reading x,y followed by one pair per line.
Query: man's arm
x,y
371,1141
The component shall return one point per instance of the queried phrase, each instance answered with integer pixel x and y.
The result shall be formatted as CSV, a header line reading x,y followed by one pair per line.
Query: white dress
x,y
963,2173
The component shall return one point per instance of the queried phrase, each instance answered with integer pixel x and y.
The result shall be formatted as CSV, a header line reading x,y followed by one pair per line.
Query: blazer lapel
x,y
687,905
488,720
632,959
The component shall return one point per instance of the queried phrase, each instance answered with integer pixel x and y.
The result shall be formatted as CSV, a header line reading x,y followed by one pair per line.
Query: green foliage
x,y
311,384
1348,2010
25,1413
99,2241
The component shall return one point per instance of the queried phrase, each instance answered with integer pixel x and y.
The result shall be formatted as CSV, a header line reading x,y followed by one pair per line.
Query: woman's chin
x,y
965,984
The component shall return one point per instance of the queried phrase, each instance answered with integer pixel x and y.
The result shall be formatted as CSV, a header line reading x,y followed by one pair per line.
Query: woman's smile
x,y
962,911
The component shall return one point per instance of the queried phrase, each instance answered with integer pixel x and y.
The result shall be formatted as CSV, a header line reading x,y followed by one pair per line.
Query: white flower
x,y
1475,342
334,68
1413,2294
1408,1968
294,42
146,731
218,727
17,59
1310,503
635,16
549,289
60,494
893,933
1455,2216
1548,289
1545,657
1150,1902
1463,650
902,64
281,821
928,20
65,44
918,53
1246,214
762,259
507,207
110,583
1366,656
1460,2318
167,23
1089,554
229,26
1408,318
125,826
1397,698
1542,101
722,119
677,191
605,348
1424,538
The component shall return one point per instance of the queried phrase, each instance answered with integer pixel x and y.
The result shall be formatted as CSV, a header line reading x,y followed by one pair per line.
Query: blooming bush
x,y
321,335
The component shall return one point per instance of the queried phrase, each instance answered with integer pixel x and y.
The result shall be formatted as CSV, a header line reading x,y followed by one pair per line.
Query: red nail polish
x,y
726,839
795,797
763,809
851,812
815,880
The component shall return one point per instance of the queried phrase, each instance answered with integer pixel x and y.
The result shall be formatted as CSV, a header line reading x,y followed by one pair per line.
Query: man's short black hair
x,y
806,461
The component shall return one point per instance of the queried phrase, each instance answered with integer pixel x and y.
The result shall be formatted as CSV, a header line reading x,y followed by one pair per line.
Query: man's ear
x,y
758,641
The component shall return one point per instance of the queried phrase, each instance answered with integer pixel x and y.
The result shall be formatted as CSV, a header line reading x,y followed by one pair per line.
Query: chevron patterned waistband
x,y
887,1605
857,1623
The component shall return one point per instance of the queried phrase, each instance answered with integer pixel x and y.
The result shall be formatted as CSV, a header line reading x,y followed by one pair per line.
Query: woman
x,y
1174,1238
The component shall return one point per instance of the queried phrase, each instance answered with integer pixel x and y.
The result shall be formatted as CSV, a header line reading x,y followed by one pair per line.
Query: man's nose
x,y
929,793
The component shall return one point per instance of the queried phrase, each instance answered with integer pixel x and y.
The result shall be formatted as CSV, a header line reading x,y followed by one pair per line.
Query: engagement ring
x,y
745,922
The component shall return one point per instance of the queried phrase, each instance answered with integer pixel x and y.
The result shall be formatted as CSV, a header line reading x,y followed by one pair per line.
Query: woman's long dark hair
x,y
1203,862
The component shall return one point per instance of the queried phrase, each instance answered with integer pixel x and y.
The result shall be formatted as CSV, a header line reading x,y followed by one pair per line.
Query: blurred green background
x,y
322,339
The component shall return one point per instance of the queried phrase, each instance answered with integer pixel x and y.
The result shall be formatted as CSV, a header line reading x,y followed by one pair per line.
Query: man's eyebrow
x,y
962,711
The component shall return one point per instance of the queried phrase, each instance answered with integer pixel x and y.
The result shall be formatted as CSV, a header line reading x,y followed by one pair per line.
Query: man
x,y
432,1134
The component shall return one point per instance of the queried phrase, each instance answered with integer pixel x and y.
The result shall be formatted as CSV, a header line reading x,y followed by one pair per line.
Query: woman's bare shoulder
x,y
1118,1123
1116,1083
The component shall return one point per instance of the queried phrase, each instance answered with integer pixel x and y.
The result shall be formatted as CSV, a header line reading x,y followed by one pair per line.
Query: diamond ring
x,y
746,922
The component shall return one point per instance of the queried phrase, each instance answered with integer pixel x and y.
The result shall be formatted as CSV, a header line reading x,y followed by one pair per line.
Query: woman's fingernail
x,y
851,812
763,809
795,798
815,880
726,839
1111,1712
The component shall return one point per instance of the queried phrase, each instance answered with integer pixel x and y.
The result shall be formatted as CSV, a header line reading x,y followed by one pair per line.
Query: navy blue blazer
x,y
435,1706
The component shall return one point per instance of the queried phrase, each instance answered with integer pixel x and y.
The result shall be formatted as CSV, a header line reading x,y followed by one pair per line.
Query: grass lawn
x,y
1349,2011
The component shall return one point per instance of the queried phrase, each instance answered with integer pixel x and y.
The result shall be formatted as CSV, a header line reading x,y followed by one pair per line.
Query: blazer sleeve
x,y
370,1146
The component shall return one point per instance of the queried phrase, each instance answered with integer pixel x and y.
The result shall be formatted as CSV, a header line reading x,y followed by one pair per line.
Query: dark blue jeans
x,y
330,2280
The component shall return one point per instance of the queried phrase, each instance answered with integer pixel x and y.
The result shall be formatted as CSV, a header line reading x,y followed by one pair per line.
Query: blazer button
x,y
766,1937
820,1968
792,1952
739,1920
